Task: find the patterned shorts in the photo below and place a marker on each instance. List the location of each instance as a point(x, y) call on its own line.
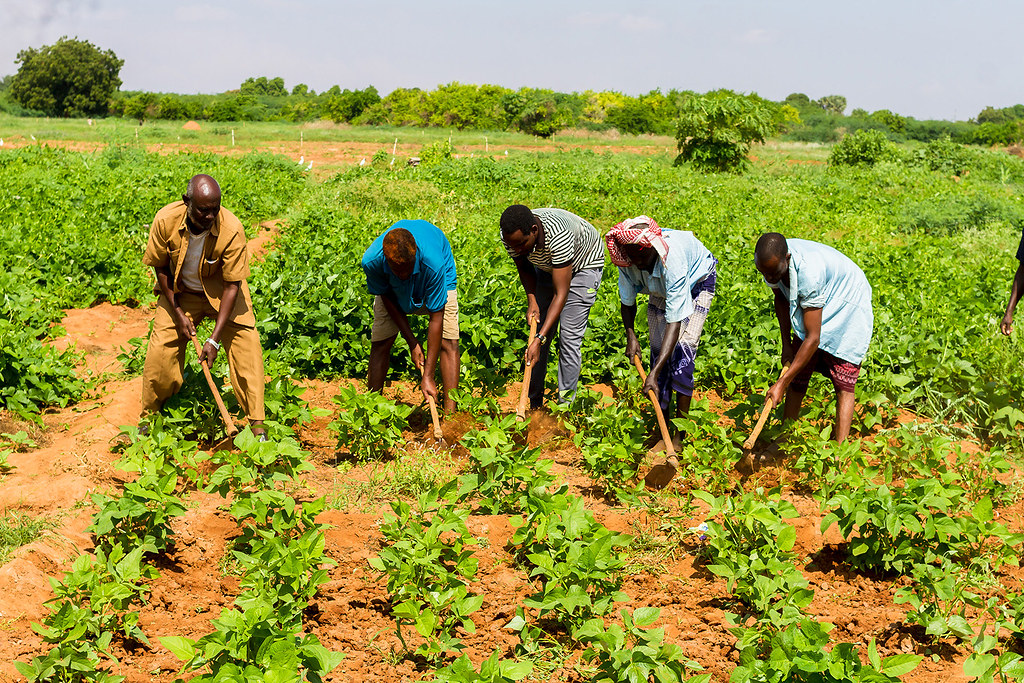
point(843, 373)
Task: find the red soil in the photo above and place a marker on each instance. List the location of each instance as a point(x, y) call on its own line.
point(350, 615)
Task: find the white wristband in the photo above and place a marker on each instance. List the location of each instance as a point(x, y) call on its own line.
point(215, 344)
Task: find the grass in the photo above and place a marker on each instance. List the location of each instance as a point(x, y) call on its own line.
point(249, 133)
point(18, 529)
point(364, 488)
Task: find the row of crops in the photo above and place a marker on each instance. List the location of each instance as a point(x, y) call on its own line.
point(937, 249)
point(910, 505)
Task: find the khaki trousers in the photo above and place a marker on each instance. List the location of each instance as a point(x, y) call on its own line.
point(165, 357)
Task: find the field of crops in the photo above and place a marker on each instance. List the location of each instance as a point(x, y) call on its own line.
point(351, 547)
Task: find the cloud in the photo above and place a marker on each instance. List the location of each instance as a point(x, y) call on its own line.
point(756, 36)
point(632, 23)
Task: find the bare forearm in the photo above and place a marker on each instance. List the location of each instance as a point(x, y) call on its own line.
point(163, 283)
point(1015, 291)
point(782, 313)
point(527, 276)
point(227, 305)
point(434, 333)
point(668, 344)
point(628, 314)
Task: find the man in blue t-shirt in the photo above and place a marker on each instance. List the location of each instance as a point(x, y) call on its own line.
point(410, 270)
point(1016, 288)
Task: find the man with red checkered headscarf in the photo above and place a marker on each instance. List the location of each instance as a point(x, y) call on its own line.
point(678, 273)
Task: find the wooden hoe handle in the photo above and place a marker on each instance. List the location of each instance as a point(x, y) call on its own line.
point(521, 408)
point(768, 405)
point(438, 434)
point(669, 448)
point(229, 425)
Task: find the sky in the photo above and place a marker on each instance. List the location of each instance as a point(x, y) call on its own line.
point(930, 59)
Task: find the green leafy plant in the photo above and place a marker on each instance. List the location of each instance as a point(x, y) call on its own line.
point(368, 425)
point(633, 652)
point(574, 558)
point(492, 670)
point(752, 548)
point(91, 607)
point(503, 474)
point(715, 130)
point(428, 563)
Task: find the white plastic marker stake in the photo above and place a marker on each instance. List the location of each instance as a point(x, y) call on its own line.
point(394, 147)
point(485, 143)
point(232, 137)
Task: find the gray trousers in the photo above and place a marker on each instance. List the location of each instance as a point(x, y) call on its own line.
point(571, 326)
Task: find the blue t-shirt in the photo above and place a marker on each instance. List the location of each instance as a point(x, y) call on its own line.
point(688, 262)
point(1020, 248)
point(824, 278)
point(433, 274)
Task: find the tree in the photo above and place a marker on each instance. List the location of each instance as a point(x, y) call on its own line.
point(833, 104)
point(69, 78)
point(715, 130)
point(535, 111)
point(350, 104)
point(273, 87)
point(893, 122)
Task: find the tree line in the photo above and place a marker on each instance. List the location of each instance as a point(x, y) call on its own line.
point(76, 78)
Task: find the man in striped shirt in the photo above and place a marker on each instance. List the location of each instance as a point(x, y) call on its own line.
point(559, 257)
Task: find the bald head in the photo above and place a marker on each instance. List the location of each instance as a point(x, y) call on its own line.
point(202, 202)
point(202, 185)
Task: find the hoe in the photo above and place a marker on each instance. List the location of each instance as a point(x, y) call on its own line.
point(660, 475)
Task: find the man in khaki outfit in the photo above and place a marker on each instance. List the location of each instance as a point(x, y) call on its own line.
point(198, 250)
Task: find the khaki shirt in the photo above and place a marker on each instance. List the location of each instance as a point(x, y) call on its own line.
point(225, 256)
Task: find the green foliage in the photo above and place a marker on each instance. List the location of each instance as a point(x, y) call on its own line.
point(69, 78)
point(832, 104)
point(368, 425)
point(611, 438)
point(752, 548)
point(428, 564)
point(140, 517)
point(715, 130)
point(574, 557)
point(939, 596)
point(798, 653)
point(503, 475)
point(862, 148)
point(251, 645)
point(899, 527)
point(89, 609)
point(492, 670)
point(255, 465)
point(633, 652)
point(18, 529)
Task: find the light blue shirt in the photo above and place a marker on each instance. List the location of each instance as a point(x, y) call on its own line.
point(824, 278)
point(688, 262)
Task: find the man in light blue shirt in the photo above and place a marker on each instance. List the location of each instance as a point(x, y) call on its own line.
point(679, 274)
point(411, 270)
point(823, 304)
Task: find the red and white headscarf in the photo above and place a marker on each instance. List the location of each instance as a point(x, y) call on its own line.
point(641, 230)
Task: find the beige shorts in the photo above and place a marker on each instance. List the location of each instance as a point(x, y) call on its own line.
point(385, 328)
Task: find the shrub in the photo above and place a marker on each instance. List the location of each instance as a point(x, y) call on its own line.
point(862, 148)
